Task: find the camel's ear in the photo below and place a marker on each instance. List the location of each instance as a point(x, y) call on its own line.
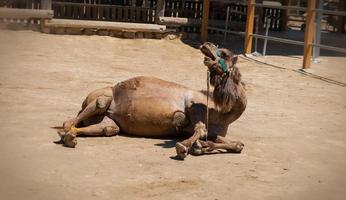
point(234, 60)
point(236, 75)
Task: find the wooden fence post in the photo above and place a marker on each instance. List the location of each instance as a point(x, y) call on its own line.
point(205, 21)
point(46, 4)
point(284, 16)
point(309, 33)
point(160, 10)
point(249, 26)
point(341, 19)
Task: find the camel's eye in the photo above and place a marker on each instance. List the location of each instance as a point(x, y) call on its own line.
point(222, 54)
point(227, 55)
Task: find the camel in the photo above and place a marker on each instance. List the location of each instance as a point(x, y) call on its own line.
point(151, 107)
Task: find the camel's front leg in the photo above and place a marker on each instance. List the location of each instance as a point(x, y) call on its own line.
point(183, 147)
point(229, 145)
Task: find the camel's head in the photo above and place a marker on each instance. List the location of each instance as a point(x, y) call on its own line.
point(218, 61)
point(224, 75)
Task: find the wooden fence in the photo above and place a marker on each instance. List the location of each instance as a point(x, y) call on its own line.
point(120, 11)
point(236, 18)
point(276, 17)
point(21, 4)
point(27, 4)
point(191, 9)
point(144, 11)
point(188, 9)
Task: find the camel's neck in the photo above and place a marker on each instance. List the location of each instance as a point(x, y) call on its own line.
point(229, 93)
point(228, 103)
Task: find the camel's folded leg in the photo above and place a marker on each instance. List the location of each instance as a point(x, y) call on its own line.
point(183, 147)
point(229, 145)
point(96, 107)
point(107, 127)
point(201, 147)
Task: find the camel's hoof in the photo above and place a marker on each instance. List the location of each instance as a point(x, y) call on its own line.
point(196, 149)
point(110, 131)
point(70, 140)
point(239, 146)
point(181, 150)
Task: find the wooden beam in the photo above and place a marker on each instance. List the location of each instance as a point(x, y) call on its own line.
point(178, 21)
point(160, 10)
point(205, 19)
point(249, 26)
point(16, 13)
point(341, 19)
point(47, 5)
point(309, 33)
point(183, 21)
point(104, 25)
point(284, 17)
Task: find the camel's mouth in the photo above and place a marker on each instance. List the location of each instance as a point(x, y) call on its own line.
point(212, 58)
point(209, 50)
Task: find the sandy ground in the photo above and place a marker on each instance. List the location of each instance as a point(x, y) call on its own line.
point(294, 127)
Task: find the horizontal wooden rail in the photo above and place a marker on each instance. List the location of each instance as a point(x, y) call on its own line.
point(178, 21)
point(16, 13)
point(120, 26)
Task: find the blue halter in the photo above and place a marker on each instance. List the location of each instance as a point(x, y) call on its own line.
point(222, 61)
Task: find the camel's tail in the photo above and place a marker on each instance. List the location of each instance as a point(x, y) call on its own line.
point(60, 131)
point(57, 127)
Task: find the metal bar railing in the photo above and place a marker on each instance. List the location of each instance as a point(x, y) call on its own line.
point(268, 20)
point(226, 24)
point(330, 48)
point(295, 42)
point(227, 31)
point(288, 41)
point(331, 12)
point(276, 39)
point(317, 39)
point(326, 12)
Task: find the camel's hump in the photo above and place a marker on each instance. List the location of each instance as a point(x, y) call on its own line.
point(148, 81)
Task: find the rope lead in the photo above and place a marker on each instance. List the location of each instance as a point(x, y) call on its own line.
point(207, 117)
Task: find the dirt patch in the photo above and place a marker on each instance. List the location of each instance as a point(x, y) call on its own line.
point(293, 128)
